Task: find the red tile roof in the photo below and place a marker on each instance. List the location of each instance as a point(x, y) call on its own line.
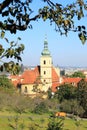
point(71, 80)
point(30, 76)
point(55, 80)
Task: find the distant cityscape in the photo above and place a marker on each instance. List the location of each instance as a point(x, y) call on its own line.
point(63, 69)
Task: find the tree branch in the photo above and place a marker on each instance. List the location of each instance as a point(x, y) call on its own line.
point(35, 17)
point(13, 27)
point(5, 4)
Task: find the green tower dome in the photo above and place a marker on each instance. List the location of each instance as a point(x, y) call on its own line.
point(45, 51)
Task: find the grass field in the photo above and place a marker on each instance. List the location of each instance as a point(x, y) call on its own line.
point(30, 121)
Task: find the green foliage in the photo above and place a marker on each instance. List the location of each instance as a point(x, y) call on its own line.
point(78, 74)
point(15, 124)
point(13, 51)
point(77, 123)
point(18, 16)
point(73, 99)
point(40, 108)
point(5, 83)
point(72, 107)
point(82, 94)
point(55, 124)
point(33, 126)
point(12, 119)
point(65, 92)
point(63, 17)
point(49, 92)
point(36, 124)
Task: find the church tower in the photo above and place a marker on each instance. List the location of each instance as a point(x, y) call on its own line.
point(46, 67)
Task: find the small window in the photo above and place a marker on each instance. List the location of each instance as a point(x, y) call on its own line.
point(44, 72)
point(44, 62)
point(44, 80)
point(25, 90)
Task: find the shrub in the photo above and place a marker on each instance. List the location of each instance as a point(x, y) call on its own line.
point(55, 124)
point(40, 108)
point(72, 107)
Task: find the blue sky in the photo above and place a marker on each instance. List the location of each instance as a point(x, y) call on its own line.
point(65, 51)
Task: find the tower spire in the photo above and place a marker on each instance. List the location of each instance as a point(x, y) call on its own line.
point(45, 50)
point(45, 37)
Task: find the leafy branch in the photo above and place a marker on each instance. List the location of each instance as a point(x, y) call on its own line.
point(13, 51)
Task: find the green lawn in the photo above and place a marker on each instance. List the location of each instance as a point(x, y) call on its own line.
point(10, 120)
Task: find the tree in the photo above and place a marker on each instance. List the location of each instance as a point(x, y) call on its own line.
point(72, 106)
point(40, 108)
point(17, 15)
point(49, 92)
point(5, 83)
point(78, 74)
point(14, 50)
point(65, 92)
point(82, 94)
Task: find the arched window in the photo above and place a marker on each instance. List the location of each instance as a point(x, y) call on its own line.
point(44, 62)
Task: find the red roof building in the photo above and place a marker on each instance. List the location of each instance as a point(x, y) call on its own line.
point(33, 77)
point(70, 80)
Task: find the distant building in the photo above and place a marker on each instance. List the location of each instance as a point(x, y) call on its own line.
point(69, 80)
point(84, 72)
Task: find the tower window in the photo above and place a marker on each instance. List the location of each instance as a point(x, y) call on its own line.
point(44, 62)
point(44, 72)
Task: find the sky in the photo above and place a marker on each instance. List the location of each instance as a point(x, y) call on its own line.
point(65, 51)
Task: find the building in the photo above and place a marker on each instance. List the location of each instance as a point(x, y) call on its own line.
point(41, 78)
point(68, 80)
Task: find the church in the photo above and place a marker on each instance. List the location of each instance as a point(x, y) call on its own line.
point(41, 78)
